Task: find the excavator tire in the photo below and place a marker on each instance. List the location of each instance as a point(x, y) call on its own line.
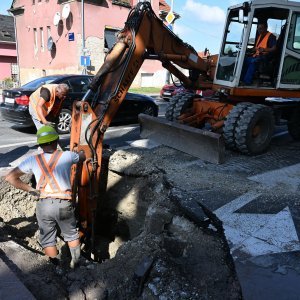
point(254, 129)
point(184, 103)
point(171, 106)
point(294, 125)
point(230, 124)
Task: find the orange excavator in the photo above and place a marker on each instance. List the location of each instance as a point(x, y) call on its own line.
point(242, 117)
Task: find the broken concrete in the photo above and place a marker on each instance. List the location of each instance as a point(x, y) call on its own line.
point(153, 246)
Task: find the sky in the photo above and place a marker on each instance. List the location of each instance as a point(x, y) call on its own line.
point(201, 21)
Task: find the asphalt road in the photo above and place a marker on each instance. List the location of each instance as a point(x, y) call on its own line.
point(15, 142)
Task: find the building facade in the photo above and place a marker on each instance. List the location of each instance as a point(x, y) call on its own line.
point(60, 36)
point(8, 52)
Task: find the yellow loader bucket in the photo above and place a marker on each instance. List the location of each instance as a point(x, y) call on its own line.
point(206, 145)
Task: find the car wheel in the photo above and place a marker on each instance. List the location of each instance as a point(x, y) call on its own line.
point(64, 121)
point(149, 110)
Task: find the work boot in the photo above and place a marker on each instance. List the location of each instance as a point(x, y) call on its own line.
point(75, 254)
point(56, 261)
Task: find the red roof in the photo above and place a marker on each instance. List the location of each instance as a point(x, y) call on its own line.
point(201, 54)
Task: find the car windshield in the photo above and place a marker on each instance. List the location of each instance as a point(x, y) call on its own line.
point(38, 82)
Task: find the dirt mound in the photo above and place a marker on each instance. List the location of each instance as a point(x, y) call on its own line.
point(150, 246)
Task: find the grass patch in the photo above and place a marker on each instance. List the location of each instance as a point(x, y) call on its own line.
point(145, 90)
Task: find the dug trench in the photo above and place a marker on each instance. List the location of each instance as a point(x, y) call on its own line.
point(153, 241)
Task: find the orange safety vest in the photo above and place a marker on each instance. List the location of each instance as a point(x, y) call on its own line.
point(47, 107)
point(48, 178)
point(261, 43)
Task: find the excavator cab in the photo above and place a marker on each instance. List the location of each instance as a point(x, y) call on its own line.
point(279, 70)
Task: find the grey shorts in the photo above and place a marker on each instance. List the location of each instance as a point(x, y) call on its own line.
point(38, 124)
point(52, 212)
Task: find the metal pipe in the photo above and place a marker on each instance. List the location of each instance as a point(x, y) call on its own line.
point(82, 25)
point(82, 34)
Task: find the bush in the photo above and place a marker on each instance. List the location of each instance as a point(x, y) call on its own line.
point(8, 82)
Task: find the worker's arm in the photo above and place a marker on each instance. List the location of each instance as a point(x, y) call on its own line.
point(271, 49)
point(13, 177)
point(267, 50)
point(40, 111)
point(77, 157)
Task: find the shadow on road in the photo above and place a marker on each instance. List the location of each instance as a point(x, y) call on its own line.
point(25, 129)
point(10, 156)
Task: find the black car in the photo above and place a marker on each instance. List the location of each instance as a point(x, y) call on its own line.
point(14, 108)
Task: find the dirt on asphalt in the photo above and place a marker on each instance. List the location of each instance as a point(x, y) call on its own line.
point(153, 241)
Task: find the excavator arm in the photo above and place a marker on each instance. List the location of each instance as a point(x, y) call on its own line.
point(143, 37)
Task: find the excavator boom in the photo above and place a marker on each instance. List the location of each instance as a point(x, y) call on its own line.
point(143, 37)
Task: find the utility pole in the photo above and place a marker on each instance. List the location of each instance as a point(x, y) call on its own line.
point(84, 71)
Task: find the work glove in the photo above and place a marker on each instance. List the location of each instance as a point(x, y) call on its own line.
point(52, 124)
point(35, 193)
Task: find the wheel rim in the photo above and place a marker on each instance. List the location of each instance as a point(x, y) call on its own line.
point(149, 111)
point(64, 124)
point(256, 131)
point(261, 132)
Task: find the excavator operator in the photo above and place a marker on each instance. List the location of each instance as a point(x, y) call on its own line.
point(265, 45)
point(52, 172)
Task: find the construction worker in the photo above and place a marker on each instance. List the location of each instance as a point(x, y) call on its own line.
point(45, 104)
point(52, 172)
point(265, 45)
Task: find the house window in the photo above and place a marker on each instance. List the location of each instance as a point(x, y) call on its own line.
point(42, 39)
point(48, 35)
point(109, 37)
point(35, 40)
point(48, 32)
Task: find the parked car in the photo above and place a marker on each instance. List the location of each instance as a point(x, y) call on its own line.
point(170, 90)
point(14, 107)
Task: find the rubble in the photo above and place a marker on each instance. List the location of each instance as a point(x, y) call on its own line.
point(152, 246)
